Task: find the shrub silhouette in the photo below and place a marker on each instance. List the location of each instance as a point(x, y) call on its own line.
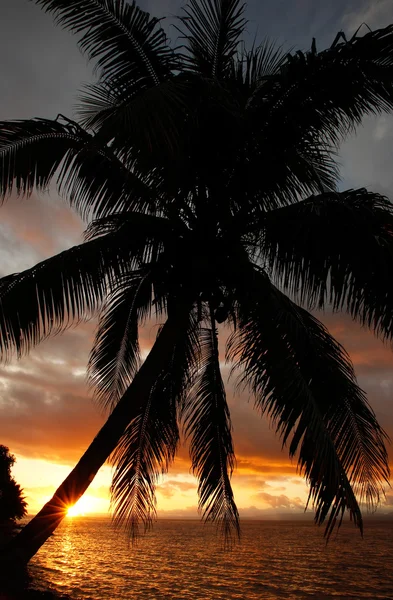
point(12, 502)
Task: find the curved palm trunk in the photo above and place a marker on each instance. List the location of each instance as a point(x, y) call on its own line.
point(24, 546)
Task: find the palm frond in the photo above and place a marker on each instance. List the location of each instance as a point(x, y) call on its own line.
point(304, 380)
point(153, 243)
point(126, 43)
point(266, 60)
point(136, 225)
point(252, 68)
point(302, 113)
point(73, 284)
point(96, 183)
point(327, 94)
point(91, 176)
point(32, 150)
point(289, 174)
point(208, 426)
point(135, 504)
point(336, 249)
point(115, 357)
point(212, 29)
point(144, 453)
point(150, 241)
point(150, 441)
point(182, 369)
point(58, 291)
point(149, 122)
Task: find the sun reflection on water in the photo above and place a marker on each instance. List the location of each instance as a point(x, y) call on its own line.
point(87, 559)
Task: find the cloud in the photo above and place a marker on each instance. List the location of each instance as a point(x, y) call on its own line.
point(258, 466)
point(389, 499)
point(246, 512)
point(280, 502)
point(45, 490)
point(189, 512)
point(45, 410)
point(298, 481)
point(174, 487)
point(32, 229)
point(374, 14)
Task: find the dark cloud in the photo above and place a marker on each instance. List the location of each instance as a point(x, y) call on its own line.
point(45, 410)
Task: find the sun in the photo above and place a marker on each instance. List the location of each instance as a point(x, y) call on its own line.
point(84, 506)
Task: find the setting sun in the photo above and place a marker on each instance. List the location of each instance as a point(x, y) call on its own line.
point(85, 505)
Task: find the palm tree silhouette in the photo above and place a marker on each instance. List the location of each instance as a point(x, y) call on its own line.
point(209, 178)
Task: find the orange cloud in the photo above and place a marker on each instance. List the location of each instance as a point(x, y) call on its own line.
point(280, 502)
point(41, 225)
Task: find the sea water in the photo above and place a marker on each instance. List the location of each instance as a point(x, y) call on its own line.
point(182, 560)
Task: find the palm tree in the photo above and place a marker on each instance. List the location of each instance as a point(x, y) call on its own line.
point(208, 174)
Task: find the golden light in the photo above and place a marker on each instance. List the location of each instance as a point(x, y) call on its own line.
point(84, 506)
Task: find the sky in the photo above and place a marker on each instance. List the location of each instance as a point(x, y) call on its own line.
point(47, 416)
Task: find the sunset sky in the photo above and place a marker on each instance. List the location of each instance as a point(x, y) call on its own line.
point(47, 417)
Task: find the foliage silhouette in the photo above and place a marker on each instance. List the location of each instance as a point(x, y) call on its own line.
point(12, 502)
point(208, 175)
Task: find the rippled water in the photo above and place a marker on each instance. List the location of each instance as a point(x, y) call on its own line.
point(184, 560)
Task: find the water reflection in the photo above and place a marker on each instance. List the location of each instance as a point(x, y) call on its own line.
point(184, 560)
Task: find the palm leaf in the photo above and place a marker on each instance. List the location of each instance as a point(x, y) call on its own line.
point(327, 94)
point(251, 68)
point(302, 113)
point(179, 376)
point(147, 122)
point(208, 426)
point(115, 358)
point(73, 284)
point(58, 291)
point(303, 379)
point(150, 441)
point(143, 454)
point(33, 152)
point(125, 41)
point(149, 228)
point(290, 173)
point(212, 29)
point(336, 249)
point(97, 183)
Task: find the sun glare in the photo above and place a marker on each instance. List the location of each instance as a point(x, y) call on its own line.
point(84, 506)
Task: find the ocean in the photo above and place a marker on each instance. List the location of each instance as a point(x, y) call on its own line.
point(182, 560)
